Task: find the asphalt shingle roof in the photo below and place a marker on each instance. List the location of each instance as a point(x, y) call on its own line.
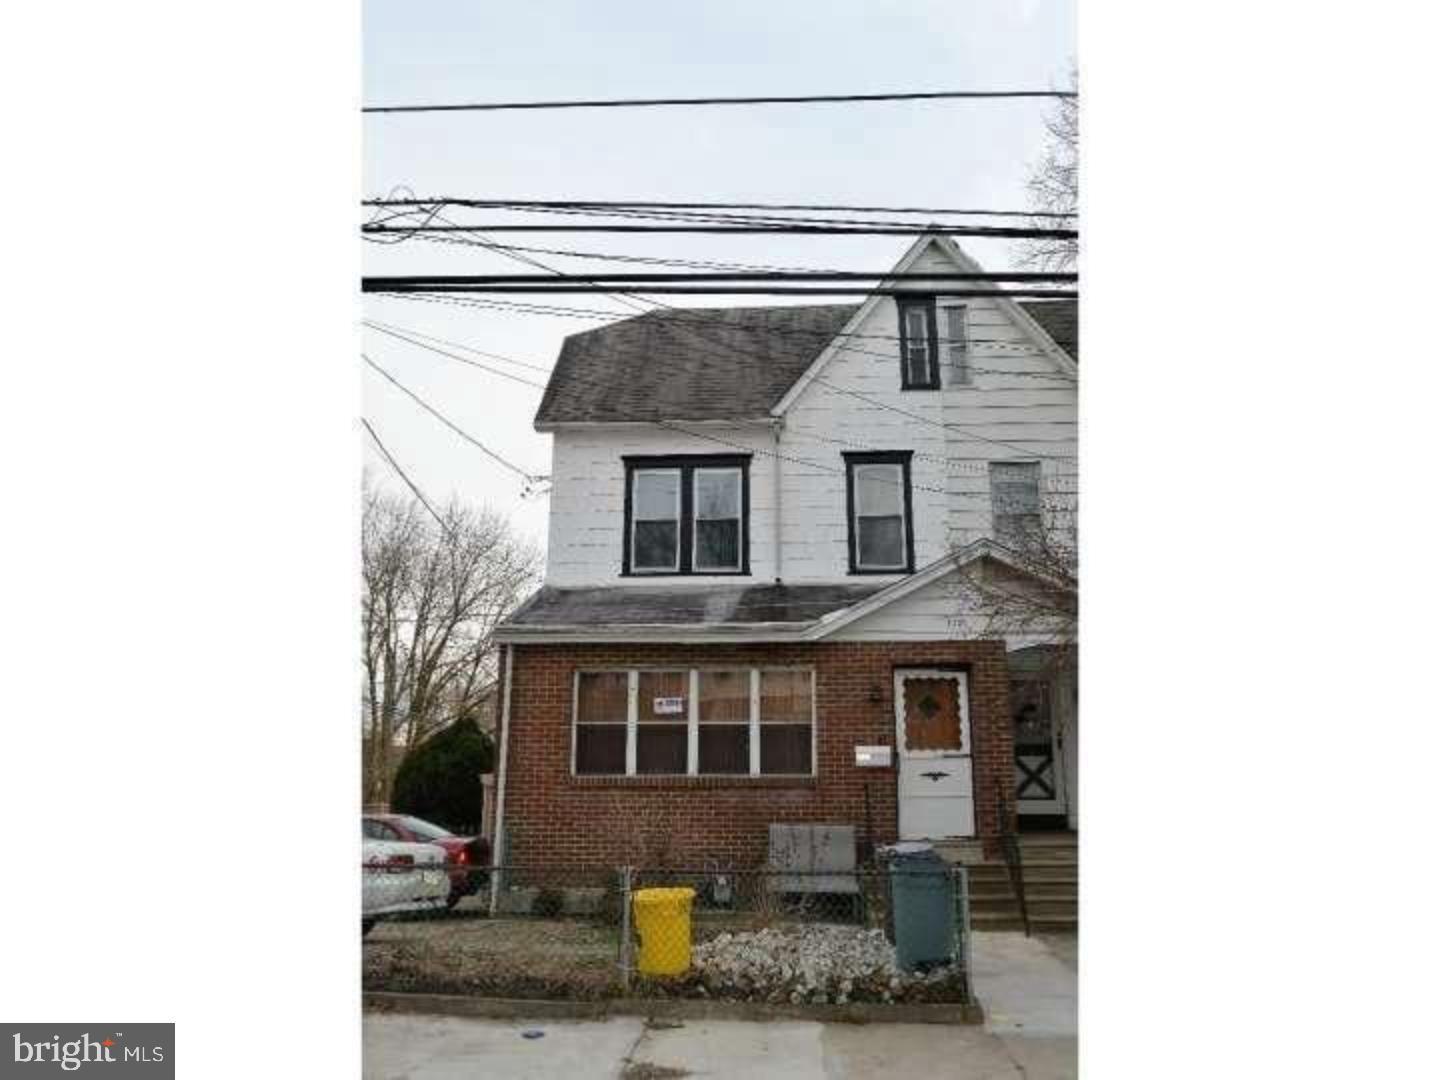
point(699, 605)
point(712, 363)
point(696, 364)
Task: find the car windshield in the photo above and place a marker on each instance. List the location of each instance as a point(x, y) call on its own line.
point(424, 829)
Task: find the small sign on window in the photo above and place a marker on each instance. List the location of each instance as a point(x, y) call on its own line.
point(669, 706)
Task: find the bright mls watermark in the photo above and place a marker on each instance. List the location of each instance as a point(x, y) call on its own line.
point(118, 1050)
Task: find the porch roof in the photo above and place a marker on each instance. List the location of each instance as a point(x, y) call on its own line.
point(710, 608)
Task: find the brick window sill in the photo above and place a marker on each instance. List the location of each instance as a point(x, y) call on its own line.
point(692, 782)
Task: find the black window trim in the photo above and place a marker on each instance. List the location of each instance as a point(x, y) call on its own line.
point(686, 464)
point(878, 457)
point(902, 304)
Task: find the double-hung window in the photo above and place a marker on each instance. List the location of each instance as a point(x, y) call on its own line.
point(956, 344)
point(662, 722)
point(687, 514)
point(695, 722)
point(655, 520)
point(724, 723)
point(878, 499)
point(919, 361)
point(1015, 501)
point(602, 720)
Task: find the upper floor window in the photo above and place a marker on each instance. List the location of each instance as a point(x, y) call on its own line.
point(687, 514)
point(957, 344)
point(877, 487)
point(1015, 501)
point(919, 361)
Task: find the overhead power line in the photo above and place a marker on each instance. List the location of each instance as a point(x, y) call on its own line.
point(529, 477)
point(462, 359)
point(709, 217)
point(408, 482)
point(699, 317)
point(742, 276)
point(376, 324)
point(655, 205)
point(965, 430)
point(567, 287)
point(1001, 232)
point(798, 99)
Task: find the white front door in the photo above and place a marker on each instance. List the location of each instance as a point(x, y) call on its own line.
point(1039, 766)
point(932, 746)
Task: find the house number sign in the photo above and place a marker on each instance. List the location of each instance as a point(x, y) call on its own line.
point(669, 706)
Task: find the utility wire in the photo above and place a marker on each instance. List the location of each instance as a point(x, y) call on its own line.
point(1028, 452)
point(1038, 276)
point(1000, 232)
point(575, 286)
point(453, 356)
point(692, 316)
point(375, 324)
point(516, 469)
point(408, 482)
point(649, 205)
point(706, 217)
point(808, 99)
point(689, 314)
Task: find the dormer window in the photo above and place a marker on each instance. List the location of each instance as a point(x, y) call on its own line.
point(687, 514)
point(919, 358)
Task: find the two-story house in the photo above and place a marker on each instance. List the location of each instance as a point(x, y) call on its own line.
point(750, 613)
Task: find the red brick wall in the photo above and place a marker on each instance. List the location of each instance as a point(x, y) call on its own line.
point(554, 818)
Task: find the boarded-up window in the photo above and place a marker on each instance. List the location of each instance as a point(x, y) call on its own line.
point(786, 718)
point(724, 722)
point(662, 722)
point(932, 714)
point(601, 706)
point(1015, 501)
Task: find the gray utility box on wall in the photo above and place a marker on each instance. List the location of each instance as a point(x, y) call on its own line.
point(818, 858)
point(922, 907)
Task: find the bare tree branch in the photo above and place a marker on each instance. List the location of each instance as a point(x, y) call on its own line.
point(1054, 184)
point(432, 597)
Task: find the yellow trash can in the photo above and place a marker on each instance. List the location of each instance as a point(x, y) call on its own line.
point(662, 917)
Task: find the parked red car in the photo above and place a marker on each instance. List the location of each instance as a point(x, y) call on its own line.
point(466, 857)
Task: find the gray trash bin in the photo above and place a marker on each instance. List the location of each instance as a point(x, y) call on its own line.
point(922, 907)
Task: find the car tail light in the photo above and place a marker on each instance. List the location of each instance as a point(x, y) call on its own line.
point(462, 856)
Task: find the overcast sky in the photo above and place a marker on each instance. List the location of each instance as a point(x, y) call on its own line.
point(961, 154)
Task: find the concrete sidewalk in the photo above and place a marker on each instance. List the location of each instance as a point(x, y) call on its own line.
point(1028, 991)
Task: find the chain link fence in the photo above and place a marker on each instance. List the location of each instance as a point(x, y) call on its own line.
point(872, 934)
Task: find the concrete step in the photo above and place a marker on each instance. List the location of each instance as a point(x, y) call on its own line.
point(1053, 923)
point(1046, 873)
point(1049, 855)
point(996, 922)
point(1051, 908)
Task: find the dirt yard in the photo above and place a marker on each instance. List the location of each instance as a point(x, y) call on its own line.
point(520, 957)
